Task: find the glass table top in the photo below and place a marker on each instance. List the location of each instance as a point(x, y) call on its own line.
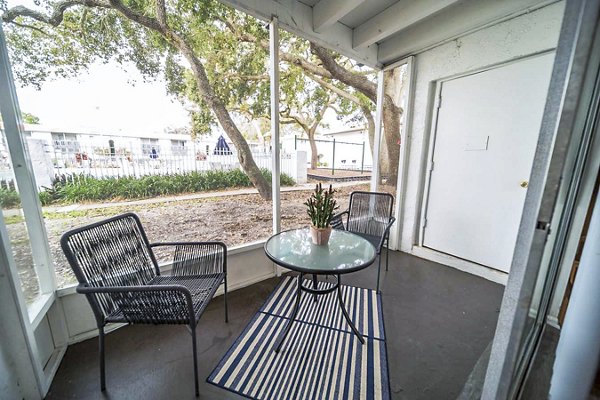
point(345, 252)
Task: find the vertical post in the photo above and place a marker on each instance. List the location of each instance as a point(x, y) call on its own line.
point(275, 151)
point(378, 129)
point(362, 160)
point(23, 172)
point(295, 142)
point(333, 159)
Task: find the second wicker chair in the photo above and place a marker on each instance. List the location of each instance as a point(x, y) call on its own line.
point(370, 216)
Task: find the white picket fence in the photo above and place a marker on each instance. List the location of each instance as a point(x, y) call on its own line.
point(89, 163)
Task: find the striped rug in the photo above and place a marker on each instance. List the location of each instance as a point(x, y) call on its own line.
point(320, 358)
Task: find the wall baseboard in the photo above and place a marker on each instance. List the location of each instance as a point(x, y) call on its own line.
point(463, 265)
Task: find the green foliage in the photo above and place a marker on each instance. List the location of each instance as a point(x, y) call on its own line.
point(68, 190)
point(30, 118)
point(320, 206)
point(9, 198)
point(46, 197)
point(13, 219)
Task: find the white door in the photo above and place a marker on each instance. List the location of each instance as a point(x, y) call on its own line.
point(485, 138)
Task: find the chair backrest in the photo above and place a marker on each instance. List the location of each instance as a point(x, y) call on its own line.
point(112, 252)
point(369, 212)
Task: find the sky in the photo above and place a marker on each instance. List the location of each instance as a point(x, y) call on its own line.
point(104, 99)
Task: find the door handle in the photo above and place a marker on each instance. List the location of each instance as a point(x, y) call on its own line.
point(524, 184)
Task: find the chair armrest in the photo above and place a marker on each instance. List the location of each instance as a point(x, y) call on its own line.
point(386, 232)
point(197, 258)
point(337, 222)
point(146, 303)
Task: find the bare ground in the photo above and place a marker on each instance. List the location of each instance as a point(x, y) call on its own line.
point(233, 219)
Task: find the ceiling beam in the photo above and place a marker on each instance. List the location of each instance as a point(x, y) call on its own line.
point(396, 18)
point(467, 16)
point(296, 17)
point(327, 12)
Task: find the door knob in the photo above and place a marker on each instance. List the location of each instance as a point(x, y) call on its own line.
point(524, 184)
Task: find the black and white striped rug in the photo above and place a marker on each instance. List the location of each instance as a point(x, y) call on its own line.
point(320, 358)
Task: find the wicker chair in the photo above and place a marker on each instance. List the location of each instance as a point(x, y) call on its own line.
point(118, 273)
point(370, 216)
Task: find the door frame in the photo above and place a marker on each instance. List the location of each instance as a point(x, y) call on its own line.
point(461, 263)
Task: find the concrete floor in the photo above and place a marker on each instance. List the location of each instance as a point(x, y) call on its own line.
point(438, 321)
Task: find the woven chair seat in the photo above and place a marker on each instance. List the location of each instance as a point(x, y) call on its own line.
point(202, 288)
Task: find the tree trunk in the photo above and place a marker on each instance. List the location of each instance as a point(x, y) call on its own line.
point(314, 154)
point(391, 134)
point(370, 126)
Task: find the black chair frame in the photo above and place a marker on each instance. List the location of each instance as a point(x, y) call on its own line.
point(120, 277)
point(378, 233)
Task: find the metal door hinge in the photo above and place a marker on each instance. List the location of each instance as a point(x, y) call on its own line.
point(543, 226)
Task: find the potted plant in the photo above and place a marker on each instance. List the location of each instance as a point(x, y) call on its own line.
point(320, 207)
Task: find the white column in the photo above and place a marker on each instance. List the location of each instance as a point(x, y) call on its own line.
point(378, 130)
point(23, 171)
point(275, 153)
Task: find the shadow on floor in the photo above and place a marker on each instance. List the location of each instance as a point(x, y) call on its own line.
point(438, 321)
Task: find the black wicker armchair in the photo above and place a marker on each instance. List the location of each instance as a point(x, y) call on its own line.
point(118, 273)
point(370, 216)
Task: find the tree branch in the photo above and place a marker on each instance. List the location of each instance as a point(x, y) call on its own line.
point(161, 13)
point(361, 83)
point(289, 58)
point(335, 89)
point(135, 16)
point(32, 27)
point(57, 15)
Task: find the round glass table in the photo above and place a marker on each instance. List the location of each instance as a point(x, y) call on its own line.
point(346, 252)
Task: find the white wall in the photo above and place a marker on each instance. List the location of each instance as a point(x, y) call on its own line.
point(523, 36)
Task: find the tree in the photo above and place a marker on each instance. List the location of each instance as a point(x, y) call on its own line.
point(147, 33)
point(209, 54)
point(244, 80)
point(357, 86)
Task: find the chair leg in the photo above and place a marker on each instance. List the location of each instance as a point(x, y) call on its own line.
point(387, 257)
point(193, 329)
point(378, 272)
point(101, 350)
point(225, 298)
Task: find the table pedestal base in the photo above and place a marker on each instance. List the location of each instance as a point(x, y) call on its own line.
point(315, 292)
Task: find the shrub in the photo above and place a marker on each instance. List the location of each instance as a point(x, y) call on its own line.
point(73, 189)
point(9, 198)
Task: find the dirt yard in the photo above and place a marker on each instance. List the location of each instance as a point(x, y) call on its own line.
point(234, 220)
